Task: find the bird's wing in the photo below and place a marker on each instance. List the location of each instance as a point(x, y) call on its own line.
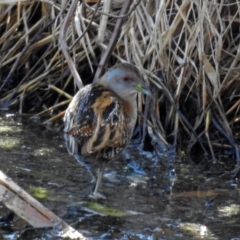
point(101, 121)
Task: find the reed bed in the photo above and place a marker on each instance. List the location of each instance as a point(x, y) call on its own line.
point(188, 51)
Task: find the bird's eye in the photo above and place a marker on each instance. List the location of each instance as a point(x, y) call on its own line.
point(127, 79)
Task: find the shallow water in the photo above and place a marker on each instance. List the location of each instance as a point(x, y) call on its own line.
point(197, 204)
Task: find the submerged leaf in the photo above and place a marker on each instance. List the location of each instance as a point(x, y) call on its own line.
point(39, 192)
point(109, 211)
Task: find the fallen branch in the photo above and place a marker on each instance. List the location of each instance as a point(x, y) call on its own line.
point(32, 211)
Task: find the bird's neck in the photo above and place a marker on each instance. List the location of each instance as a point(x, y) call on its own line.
point(131, 109)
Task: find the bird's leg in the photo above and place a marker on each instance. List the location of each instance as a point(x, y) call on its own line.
point(87, 165)
point(99, 178)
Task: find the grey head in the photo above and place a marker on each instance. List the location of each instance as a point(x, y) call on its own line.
point(125, 80)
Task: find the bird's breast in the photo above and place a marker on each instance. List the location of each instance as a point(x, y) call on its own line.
point(100, 122)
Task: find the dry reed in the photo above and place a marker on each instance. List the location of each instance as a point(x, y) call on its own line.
point(189, 52)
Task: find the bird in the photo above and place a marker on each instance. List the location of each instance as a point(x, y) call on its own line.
point(100, 119)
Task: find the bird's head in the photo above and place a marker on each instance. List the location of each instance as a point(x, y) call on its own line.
point(125, 80)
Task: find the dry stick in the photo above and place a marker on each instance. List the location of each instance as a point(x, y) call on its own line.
point(61, 92)
point(53, 107)
point(23, 209)
point(110, 15)
point(32, 211)
point(156, 135)
point(55, 117)
point(64, 46)
point(207, 124)
point(88, 26)
point(113, 41)
point(147, 110)
point(230, 140)
point(103, 21)
point(221, 145)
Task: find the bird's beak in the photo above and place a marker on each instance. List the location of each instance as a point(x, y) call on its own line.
point(142, 88)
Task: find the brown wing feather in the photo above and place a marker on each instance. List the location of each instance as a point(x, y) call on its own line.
point(102, 126)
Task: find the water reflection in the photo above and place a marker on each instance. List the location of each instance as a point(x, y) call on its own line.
point(195, 205)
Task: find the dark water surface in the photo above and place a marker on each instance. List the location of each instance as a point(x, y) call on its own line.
point(196, 205)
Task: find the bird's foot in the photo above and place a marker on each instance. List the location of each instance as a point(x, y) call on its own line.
point(97, 195)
